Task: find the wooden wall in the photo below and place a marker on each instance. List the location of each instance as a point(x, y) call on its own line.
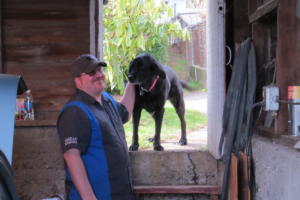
point(288, 55)
point(275, 31)
point(40, 39)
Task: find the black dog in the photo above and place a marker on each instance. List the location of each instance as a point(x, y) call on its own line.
point(155, 84)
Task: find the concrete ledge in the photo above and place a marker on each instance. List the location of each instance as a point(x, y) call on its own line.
point(174, 168)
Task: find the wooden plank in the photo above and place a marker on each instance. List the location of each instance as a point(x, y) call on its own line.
point(263, 10)
point(48, 67)
point(41, 42)
point(100, 31)
point(75, 6)
point(41, 74)
point(176, 189)
point(288, 48)
point(44, 53)
point(233, 179)
point(92, 27)
point(244, 176)
point(53, 103)
point(58, 34)
point(22, 123)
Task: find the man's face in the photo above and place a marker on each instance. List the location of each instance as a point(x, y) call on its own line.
point(92, 83)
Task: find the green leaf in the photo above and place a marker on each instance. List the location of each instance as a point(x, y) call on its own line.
point(132, 27)
point(141, 42)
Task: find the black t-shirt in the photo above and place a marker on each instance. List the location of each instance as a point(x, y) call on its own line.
point(74, 126)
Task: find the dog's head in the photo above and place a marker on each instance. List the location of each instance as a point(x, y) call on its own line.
point(143, 69)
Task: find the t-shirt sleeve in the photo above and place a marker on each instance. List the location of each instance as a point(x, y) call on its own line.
point(123, 113)
point(73, 129)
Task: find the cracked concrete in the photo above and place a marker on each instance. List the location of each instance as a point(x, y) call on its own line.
point(195, 177)
point(188, 167)
point(174, 168)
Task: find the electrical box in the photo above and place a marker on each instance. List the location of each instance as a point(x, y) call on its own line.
point(271, 96)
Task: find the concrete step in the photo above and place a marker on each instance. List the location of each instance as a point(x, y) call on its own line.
point(174, 168)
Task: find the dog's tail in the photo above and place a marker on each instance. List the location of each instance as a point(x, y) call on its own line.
point(186, 86)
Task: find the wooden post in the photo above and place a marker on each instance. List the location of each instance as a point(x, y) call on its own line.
point(100, 29)
point(233, 179)
point(244, 176)
point(96, 28)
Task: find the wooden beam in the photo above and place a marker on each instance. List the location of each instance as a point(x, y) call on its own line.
point(244, 166)
point(96, 28)
point(1, 58)
point(177, 189)
point(233, 179)
point(263, 10)
point(92, 27)
point(100, 29)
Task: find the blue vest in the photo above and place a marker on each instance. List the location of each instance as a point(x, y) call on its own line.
point(94, 159)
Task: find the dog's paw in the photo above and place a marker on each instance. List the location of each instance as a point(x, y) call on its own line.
point(158, 148)
point(182, 142)
point(134, 147)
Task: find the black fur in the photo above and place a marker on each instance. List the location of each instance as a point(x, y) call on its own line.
point(143, 71)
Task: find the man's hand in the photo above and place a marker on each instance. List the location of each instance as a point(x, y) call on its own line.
point(128, 98)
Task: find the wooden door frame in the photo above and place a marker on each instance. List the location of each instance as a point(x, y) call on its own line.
point(96, 28)
point(215, 73)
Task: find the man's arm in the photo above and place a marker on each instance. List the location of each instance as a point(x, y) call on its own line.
point(129, 97)
point(78, 174)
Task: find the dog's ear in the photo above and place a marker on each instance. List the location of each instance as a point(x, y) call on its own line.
point(156, 66)
point(162, 73)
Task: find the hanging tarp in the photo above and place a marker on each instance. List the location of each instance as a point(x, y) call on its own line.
point(10, 85)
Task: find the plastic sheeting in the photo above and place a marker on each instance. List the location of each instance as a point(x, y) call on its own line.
point(8, 92)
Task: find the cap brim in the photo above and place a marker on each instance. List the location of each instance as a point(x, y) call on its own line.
point(94, 66)
point(102, 64)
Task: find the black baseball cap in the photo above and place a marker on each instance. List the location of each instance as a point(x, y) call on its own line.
point(84, 64)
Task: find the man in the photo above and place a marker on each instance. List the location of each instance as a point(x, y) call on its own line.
point(91, 131)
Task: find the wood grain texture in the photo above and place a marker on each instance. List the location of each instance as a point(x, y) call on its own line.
point(287, 57)
point(244, 176)
point(176, 189)
point(233, 179)
point(41, 40)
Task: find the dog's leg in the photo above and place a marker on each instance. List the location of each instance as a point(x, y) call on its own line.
point(136, 115)
point(180, 110)
point(158, 117)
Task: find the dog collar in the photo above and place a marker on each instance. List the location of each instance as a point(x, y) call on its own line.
point(153, 84)
point(143, 90)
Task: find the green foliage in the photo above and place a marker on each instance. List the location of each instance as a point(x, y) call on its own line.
point(170, 127)
point(196, 85)
point(132, 27)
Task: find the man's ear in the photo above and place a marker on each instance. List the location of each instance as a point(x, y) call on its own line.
point(77, 82)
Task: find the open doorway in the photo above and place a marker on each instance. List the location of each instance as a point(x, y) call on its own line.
point(188, 59)
point(192, 61)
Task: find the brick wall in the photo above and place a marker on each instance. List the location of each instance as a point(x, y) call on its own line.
point(185, 54)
